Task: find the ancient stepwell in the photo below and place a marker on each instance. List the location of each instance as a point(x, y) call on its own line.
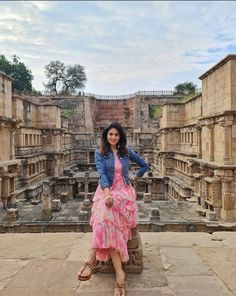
point(47, 144)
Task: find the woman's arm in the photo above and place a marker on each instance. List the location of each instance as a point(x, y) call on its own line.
point(100, 165)
point(143, 166)
point(103, 180)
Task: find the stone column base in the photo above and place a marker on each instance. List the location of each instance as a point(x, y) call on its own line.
point(84, 216)
point(11, 216)
point(227, 216)
point(46, 215)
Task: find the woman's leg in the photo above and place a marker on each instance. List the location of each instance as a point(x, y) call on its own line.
point(120, 275)
point(86, 271)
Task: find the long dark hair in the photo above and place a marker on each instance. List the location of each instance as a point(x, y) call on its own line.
point(105, 147)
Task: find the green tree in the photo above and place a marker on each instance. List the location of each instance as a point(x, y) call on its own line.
point(75, 78)
point(64, 79)
point(22, 76)
point(185, 88)
point(55, 72)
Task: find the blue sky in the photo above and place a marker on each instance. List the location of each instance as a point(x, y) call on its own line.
point(124, 46)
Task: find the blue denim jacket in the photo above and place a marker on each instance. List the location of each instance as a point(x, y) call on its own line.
point(106, 166)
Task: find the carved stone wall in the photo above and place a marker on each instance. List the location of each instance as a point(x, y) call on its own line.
point(202, 168)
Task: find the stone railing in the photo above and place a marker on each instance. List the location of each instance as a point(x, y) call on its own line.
point(23, 151)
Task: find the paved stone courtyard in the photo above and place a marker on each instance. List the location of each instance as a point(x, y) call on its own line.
point(175, 264)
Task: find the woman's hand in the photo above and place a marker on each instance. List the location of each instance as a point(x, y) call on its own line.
point(109, 201)
point(108, 197)
point(133, 179)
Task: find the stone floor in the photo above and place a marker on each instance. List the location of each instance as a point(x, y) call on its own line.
point(175, 264)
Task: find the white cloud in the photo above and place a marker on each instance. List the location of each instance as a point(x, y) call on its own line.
point(121, 44)
point(41, 5)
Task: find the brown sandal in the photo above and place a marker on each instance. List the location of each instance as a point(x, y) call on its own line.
point(87, 277)
point(120, 286)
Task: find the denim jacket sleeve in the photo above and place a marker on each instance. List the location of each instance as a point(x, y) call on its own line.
point(139, 161)
point(100, 165)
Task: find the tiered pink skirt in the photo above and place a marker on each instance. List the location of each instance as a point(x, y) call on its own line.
point(112, 226)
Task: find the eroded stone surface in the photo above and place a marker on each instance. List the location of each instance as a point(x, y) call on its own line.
point(187, 269)
point(46, 274)
point(37, 292)
point(179, 263)
point(198, 286)
point(36, 245)
point(223, 262)
point(8, 269)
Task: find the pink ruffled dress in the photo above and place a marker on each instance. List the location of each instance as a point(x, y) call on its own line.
point(112, 226)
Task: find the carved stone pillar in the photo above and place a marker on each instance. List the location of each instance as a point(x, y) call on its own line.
point(86, 184)
point(56, 166)
point(46, 211)
point(0, 190)
point(12, 143)
point(211, 131)
point(5, 191)
point(227, 141)
point(199, 141)
point(87, 157)
point(137, 139)
point(227, 205)
point(162, 165)
point(149, 186)
point(203, 193)
point(164, 140)
point(165, 188)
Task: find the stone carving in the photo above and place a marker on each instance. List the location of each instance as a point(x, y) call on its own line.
point(64, 197)
point(154, 214)
point(56, 205)
point(147, 198)
point(135, 250)
point(11, 216)
point(85, 212)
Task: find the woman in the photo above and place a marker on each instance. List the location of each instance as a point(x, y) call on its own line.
point(114, 210)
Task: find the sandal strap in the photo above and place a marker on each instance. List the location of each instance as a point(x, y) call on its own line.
point(121, 285)
point(89, 264)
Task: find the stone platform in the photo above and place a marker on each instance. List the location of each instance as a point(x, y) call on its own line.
point(174, 216)
point(175, 264)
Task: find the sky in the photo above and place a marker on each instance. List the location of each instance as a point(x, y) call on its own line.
point(124, 46)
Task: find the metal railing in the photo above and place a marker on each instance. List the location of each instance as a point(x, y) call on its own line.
point(151, 93)
point(139, 93)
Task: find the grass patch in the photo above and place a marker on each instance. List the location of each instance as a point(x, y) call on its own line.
point(155, 111)
point(68, 113)
point(185, 98)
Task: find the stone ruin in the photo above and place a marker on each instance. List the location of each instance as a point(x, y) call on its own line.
point(47, 157)
point(189, 161)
